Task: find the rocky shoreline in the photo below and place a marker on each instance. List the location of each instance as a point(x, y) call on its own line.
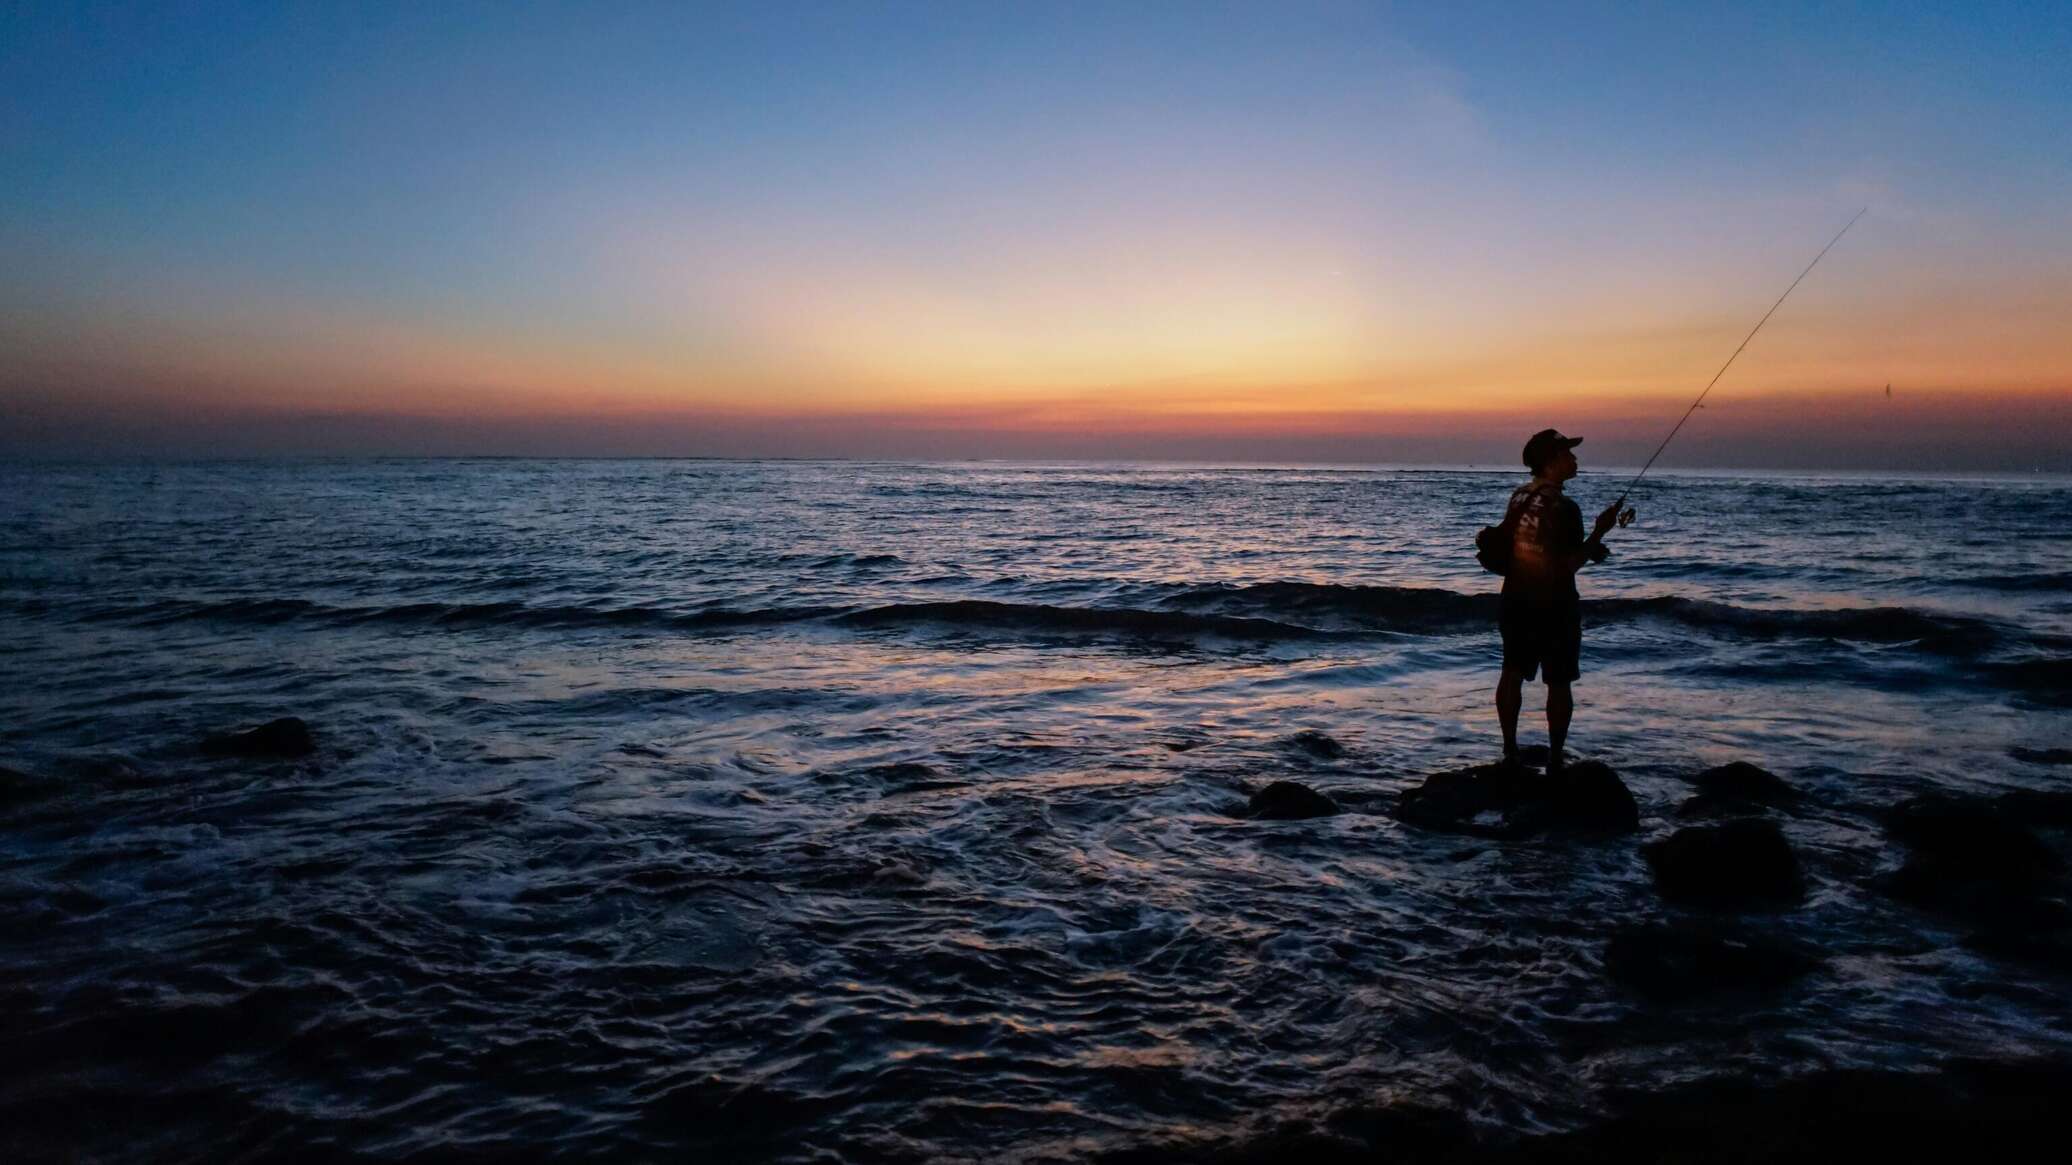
point(1961, 1110)
point(1993, 868)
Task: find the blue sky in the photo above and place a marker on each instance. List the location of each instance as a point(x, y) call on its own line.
point(1020, 222)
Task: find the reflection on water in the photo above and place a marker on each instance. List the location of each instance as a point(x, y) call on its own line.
point(786, 810)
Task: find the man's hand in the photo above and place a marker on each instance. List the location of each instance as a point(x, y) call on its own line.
point(1605, 521)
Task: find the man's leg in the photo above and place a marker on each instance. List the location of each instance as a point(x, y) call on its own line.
point(1508, 698)
point(1561, 704)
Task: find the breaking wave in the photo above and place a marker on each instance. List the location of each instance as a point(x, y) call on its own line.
point(1261, 611)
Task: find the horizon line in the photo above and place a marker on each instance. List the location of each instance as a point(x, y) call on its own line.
point(15, 458)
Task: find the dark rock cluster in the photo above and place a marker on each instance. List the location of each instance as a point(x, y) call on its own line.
point(1317, 744)
point(1737, 788)
point(287, 737)
point(1289, 801)
point(1981, 862)
point(1739, 865)
point(1509, 801)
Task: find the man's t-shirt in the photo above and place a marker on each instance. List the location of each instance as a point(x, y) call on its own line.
point(1545, 540)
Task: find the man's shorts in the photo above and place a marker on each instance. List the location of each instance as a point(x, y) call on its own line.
point(1542, 638)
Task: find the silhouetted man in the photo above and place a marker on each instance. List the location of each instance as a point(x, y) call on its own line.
point(1541, 618)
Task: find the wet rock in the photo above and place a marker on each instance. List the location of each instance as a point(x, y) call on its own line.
point(1474, 800)
point(1700, 807)
point(1288, 801)
point(1588, 797)
point(1954, 1110)
point(1734, 866)
point(288, 736)
point(1535, 755)
point(2037, 809)
point(1317, 744)
point(1951, 839)
point(1511, 801)
point(1671, 963)
point(1737, 787)
point(1958, 1110)
point(1978, 862)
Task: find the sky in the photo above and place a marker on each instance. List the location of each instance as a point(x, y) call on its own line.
point(1271, 232)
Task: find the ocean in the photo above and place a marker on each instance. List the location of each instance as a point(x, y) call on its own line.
point(859, 811)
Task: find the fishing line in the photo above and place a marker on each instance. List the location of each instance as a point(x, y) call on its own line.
point(1625, 517)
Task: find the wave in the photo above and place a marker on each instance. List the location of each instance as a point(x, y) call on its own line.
point(1261, 611)
point(1954, 635)
point(504, 614)
point(1411, 610)
point(1119, 620)
point(2044, 580)
point(834, 561)
point(1435, 611)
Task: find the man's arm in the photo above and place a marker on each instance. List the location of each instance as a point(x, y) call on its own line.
point(1584, 551)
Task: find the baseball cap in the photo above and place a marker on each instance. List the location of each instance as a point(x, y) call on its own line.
point(1545, 444)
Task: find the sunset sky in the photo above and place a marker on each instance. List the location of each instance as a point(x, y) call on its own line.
point(1394, 233)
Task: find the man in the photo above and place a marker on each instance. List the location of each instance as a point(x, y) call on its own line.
point(1541, 615)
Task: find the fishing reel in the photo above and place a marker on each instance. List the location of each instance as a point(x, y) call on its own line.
point(1627, 517)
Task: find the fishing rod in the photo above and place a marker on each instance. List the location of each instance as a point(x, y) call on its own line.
point(1626, 516)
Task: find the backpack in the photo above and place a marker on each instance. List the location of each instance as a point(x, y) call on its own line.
point(1493, 543)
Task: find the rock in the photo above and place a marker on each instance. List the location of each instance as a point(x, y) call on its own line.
point(1535, 755)
point(1288, 801)
point(1953, 839)
point(1703, 806)
point(1977, 862)
point(2037, 809)
point(1317, 744)
point(1589, 797)
point(1938, 1109)
point(1512, 801)
point(1747, 782)
point(1737, 788)
point(1458, 801)
point(1737, 865)
point(285, 737)
point(1686, 962)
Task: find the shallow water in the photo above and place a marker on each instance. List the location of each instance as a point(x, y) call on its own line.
point(859, 811)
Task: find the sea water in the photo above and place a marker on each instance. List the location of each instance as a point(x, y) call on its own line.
point(858, 810)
